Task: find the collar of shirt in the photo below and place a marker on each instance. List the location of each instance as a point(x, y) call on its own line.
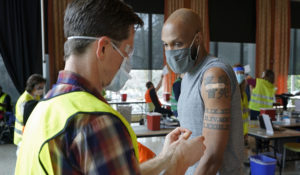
point(72, 82)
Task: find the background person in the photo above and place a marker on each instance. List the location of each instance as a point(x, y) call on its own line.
point(240, 75)
point(262, 94)
point(5, 102)
point(175, 95)
point(209, 102)
point(152, 100)
point(34, 90)
point(75, 131)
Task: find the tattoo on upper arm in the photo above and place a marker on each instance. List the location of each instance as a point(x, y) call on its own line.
point(212, 91)
point(223, 91)
point(220, 87)
point(213, 121)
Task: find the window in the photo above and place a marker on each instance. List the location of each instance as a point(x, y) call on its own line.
point(146, 65)
point(7, 84)
point(233, 53)
point(294, 66)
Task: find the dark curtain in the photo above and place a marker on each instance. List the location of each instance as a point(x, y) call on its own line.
point(20, 39)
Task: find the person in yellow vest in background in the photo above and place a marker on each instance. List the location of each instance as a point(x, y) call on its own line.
point(34, 89)
point(73, 130)
point(5, 102)
point(263, 93)
point(240, 75)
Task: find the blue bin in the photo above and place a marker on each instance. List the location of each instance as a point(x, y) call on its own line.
point(262, 165)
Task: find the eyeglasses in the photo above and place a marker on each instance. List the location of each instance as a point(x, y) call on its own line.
point(128, 49)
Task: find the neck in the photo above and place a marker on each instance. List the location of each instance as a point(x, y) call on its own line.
point(85, 66)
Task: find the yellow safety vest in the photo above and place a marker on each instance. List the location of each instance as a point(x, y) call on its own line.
point(2, 98)
point(245, 113)
point(50, 119)
point(262, 95)
point(19, 125)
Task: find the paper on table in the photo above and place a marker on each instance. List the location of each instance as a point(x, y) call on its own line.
point(247, 68)
point(268, 124)
point(165, 70)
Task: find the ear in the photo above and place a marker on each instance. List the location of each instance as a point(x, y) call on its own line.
point(102, 46)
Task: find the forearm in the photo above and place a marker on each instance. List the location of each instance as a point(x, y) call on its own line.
point(208, 167)
point(159, 84)
point(175, 168)
point(154, 166)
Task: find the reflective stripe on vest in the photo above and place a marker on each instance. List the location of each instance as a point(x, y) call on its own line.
point(262, 95)
point(264, 103)
point(2, 98)
point(50, 119)
point(25, 97)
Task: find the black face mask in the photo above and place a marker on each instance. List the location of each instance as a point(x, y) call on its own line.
point(194, 52)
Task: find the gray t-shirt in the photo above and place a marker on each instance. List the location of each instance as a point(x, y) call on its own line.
point(191, 111)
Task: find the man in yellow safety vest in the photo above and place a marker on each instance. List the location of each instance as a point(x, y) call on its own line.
point(73, 130)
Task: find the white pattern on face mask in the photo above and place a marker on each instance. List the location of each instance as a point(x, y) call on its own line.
point(180, 60)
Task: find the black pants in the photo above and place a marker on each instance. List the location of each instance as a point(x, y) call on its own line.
point(254, 114)
point(163, 111)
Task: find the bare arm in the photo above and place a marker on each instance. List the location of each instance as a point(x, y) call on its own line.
point(216, 93)
point(159, 83)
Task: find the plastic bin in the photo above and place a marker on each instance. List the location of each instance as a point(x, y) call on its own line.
point(153, 121)
point(262, 165)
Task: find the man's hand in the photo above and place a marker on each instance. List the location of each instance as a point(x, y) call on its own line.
point(188, 152)
point(183, 152)
point(172, 140)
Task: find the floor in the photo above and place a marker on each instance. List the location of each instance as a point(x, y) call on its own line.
point(8, 157)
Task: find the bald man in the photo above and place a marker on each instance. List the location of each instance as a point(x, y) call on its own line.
point(210, 102)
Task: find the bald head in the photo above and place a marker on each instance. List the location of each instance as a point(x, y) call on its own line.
point(181, 28)
point(186, 18)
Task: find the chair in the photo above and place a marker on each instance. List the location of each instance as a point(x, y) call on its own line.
point(292, 146)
